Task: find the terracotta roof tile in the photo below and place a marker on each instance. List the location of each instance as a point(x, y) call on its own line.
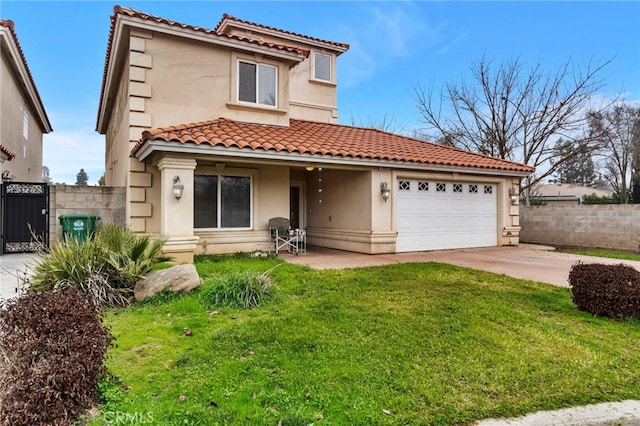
point(7, 152)
point(226, 16)
point(334, 140)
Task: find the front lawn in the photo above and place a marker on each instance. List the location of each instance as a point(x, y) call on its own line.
point(402, 344)
point(603, 252)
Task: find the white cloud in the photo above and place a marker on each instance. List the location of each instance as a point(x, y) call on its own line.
point(392, 31)
point(381, 34)
point(67, 151)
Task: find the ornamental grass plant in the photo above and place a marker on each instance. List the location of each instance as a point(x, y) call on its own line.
point(106, 267)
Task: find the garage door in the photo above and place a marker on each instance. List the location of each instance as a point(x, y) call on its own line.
point(436, 215)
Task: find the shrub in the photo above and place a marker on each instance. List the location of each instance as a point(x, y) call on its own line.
point(52, 347)
point(607, 290)
point(106, 267)
point(242, 289)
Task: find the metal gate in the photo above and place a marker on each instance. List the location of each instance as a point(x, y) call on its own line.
point(24, 214)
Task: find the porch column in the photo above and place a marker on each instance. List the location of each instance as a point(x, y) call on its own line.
point(176, 216)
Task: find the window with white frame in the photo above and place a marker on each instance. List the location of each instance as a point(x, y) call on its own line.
point(322, 67)
point(257, 83)
point(222, 201)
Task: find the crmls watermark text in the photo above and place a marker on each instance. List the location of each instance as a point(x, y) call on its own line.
point(122, 418)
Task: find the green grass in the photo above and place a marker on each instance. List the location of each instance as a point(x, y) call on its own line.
point(411, 344)
point(603, 252)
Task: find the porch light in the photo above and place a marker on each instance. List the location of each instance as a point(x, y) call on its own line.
point(385, 191)
point(178, 187)
point(309, 168)
point(514, 197)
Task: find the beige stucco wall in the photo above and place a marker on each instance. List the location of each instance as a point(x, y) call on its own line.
point(26, 166)
point(609, 226)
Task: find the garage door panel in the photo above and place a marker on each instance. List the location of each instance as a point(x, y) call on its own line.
point(443, 219)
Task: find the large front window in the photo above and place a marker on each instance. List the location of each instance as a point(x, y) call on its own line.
point(257, 83)
point(222, 201)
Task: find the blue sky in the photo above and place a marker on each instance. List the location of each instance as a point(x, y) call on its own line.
point(395, 45)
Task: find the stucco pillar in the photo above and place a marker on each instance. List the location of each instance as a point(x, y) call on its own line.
point(176, 216)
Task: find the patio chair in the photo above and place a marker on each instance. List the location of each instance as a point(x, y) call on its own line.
point(285, 238)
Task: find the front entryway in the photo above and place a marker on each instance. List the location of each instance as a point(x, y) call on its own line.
point(436, 215)
point(296, 205)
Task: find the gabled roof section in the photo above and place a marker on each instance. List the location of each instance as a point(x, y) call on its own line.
point(318, 142)
point(228, 23)
point(7, 152)
point(11, 45)
point(125, 16)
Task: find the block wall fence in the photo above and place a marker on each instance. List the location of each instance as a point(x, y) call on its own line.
point(104, 201)
point(614, 226)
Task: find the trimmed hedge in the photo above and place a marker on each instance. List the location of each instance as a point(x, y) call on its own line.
point(53, 347)
point(606, 290)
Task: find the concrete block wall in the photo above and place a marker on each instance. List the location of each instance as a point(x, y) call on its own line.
point(104, 201)
point(613, 226)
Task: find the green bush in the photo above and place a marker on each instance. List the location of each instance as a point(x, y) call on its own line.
point(105, 267)
point(606, 290)
point(242, 289)
point(53, 347)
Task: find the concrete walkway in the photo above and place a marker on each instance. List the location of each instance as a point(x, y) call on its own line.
point(530, 262)
point(14, 268)
point(526, 261)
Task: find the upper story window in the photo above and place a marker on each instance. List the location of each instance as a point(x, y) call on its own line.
point(257, 83)
point(322, 67)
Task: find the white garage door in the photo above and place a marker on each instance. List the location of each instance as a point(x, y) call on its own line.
point(436, 215)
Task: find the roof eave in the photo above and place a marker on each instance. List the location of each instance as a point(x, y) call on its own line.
point(148, 147)
point(339, 49)
point(24, 75)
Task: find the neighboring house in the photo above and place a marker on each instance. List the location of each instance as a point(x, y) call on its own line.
point(245, 117)
point(566, 193)
point(23, 119)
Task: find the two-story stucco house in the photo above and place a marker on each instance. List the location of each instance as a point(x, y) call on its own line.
point(245, 117)
point(23, 119)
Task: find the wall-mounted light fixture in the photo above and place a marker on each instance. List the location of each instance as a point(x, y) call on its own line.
point(385, 191)
point(515, 197)
point(309, 168)
point(178, 187)
point(7, 176)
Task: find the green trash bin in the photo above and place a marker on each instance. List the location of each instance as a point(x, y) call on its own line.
point(78, 226)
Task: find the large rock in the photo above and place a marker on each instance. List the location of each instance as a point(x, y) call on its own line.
point(179, 278)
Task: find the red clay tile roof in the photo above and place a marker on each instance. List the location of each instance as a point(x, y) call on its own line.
point(342, 46)
point(120, 10)
point(7, 152)
point(334, 140)
point(11, 27)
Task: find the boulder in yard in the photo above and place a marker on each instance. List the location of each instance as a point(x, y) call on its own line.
point(179, 278)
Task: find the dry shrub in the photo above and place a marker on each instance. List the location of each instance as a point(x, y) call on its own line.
point(606, 290)
point(52, 349)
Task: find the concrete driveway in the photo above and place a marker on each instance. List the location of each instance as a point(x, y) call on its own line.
point(526, 261)
point(14, 268)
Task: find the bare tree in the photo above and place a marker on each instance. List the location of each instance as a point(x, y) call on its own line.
point(515, 113)
point(619, 131)
point(385, 123)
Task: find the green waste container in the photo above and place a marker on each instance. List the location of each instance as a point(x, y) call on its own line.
point(78, 226)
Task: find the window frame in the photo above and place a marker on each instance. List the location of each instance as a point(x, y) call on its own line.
point(219, 206)
point(258, 65)
point(314, 74)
